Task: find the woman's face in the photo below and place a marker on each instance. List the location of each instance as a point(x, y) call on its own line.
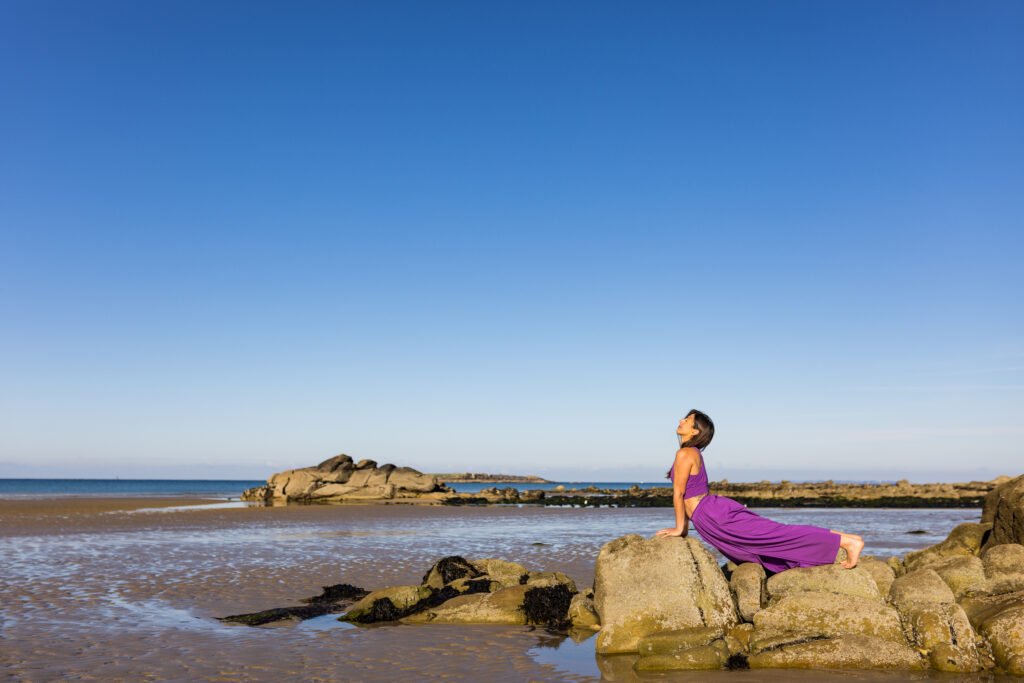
point(686, 428)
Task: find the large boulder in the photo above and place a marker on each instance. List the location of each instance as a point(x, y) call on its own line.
point(1004, 508)
point(819, 614)
point(828, 578)
point(1004, 568)
point(1005, 632)
point(840, 652)
point(644, 586)
point(964, 539)
point(961, 574)
point(747, 584)
point(933, 622)
point(945, 633)
point(921, 586)
point(881, 571)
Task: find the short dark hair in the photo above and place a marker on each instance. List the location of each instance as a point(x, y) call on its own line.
point(706, 430)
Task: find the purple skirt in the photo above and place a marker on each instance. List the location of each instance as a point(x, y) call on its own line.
point(743, 536)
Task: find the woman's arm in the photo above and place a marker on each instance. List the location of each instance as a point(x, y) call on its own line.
point(684, 461)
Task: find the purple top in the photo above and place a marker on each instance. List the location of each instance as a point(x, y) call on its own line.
point(696, 484)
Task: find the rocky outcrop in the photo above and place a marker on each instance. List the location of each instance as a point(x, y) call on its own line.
point(488, 591)
point(957, 606)
point(455, 477)
point(755, 494)
point(339, 479)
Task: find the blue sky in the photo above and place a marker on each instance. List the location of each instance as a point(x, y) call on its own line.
point(524, 237)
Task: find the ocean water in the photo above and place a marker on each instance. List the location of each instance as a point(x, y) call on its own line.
point(215, 488)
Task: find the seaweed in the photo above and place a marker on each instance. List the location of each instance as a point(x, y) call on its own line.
point(548, 606)
point(451, 568)
point(737, 662)
point(329, 601)
point(337, 593)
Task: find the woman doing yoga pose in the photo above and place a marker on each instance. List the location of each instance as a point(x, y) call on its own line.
point(732, 529)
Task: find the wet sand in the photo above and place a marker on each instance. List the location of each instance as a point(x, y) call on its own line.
point(128, 588)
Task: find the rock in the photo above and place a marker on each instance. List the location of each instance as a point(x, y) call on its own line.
point(961, 574)
point(944, 632)
point(644, 586)
point(702, 657)
point(504, 606)
point(842, 652)
point(981, 607)
point(741, 633)
point(333, 491)
point(549, 579)
point(387, 604)
point(1004, 508)
point(582, 613)
point(821, 614)
point(747, 584)
point(338, 480)
point(670, 642)
point(335, 463)
point(881, 571)
point(964, 539)
point(448, 569)
point(933, 621)
point(829, 578)
point(360, 477)
point(294, 483)
point(1004, 561)
point(408, 479)
point(921, 586)
point(504, 572)
point(1005, 632)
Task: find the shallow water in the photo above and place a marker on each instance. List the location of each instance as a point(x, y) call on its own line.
point(112, 595)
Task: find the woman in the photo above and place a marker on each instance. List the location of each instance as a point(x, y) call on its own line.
point(736, 532)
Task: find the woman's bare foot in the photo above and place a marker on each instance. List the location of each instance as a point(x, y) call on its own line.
point(853, 544)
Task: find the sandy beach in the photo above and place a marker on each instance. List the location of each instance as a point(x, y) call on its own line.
point(129, 588)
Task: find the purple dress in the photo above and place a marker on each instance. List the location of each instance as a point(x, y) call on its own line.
point(743, 536)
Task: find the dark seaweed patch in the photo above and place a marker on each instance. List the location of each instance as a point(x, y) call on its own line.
point(737, 662)
point(548, 606)
point(451, 568)
point(337, 593)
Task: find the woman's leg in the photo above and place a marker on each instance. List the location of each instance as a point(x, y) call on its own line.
point(853, 544)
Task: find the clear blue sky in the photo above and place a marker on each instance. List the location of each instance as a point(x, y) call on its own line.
point(528, 237)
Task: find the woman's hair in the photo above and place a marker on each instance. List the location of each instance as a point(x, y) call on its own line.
point(706, 427)
point(700, 440)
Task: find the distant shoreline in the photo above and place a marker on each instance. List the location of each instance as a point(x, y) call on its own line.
point(468, 477)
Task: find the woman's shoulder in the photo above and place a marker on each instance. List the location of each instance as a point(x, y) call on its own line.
point(688, 453)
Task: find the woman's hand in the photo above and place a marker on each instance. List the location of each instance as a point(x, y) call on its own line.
point(675, 531)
